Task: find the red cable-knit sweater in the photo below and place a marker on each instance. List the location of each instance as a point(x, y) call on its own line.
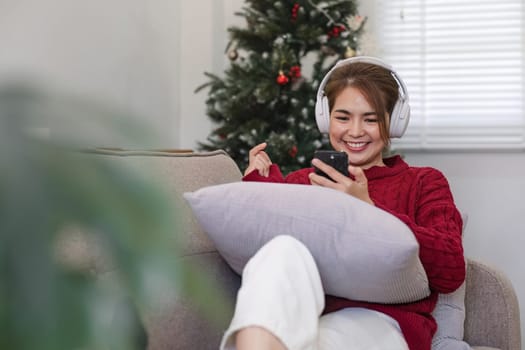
point(421, 198)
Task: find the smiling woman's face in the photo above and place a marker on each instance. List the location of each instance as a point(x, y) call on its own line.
point(354, 129)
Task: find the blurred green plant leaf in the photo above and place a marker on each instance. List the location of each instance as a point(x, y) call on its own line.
point(52, 196)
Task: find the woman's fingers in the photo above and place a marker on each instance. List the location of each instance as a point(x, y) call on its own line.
point(259, 160)
point(262, 164)
point(256, 149)
point(335, 175)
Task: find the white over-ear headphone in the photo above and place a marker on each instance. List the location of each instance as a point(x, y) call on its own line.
point(400, 114)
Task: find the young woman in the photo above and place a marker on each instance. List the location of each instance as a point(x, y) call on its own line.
point(362, 103)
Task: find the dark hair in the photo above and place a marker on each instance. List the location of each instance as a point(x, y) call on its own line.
point(376, 83)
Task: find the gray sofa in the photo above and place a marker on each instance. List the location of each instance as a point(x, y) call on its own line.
point(492, 312)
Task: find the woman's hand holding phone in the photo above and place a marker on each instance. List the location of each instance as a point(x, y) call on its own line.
point(337, 160)
point(335, 179)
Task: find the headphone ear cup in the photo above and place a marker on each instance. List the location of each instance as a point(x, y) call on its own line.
point(399, 118)
point(322, 115)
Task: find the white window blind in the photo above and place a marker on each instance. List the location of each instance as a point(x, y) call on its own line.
point(463, 64)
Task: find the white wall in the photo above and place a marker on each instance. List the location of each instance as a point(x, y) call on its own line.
point(121, 52)
point(203, 41)
point(144, 56)
point(148, 56)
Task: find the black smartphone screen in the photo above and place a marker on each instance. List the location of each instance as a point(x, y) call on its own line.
point(337, 160)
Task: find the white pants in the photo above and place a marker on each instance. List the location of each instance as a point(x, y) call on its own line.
point(281, 292)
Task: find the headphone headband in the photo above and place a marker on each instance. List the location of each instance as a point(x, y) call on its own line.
point(400, 114)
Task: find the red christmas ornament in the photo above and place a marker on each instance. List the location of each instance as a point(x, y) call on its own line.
point(295, 71)
point(282, 79)
point(295, 10)
point(293, 151)
point(336, 31)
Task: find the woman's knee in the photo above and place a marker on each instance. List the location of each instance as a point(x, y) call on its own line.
point(283, 250)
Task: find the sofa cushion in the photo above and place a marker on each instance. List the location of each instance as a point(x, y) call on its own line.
point(362, 252)
point(183, 325)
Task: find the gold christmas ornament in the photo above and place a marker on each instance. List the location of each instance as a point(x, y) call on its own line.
point(349, 52)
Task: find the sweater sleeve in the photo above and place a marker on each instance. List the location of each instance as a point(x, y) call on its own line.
point(295, 177)
point(274, 176)
point(437, 226)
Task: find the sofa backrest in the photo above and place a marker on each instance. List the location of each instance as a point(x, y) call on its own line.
point(179, 325)
point(179, 172)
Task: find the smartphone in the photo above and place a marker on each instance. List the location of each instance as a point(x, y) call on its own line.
point(336, 159)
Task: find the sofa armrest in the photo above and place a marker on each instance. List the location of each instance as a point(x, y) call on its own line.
point(492, 309)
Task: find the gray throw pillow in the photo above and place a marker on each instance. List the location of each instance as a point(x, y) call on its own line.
point(450, 316)
point(362, 252)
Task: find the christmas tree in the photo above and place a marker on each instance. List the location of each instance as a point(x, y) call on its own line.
point(266, 94)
